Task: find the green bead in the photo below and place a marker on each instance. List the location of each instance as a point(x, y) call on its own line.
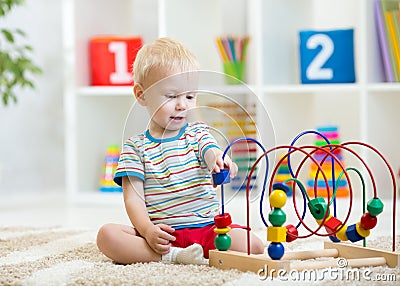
point(222, 242)
point(277, 217)
point(318, 208)
point(375, 206)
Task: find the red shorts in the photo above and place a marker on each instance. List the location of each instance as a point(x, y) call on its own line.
point(202, 235)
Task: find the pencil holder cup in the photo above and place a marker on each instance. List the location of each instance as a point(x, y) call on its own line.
point(234, 72)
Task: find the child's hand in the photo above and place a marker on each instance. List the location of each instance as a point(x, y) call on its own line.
point(225, 164)
point(159, 237)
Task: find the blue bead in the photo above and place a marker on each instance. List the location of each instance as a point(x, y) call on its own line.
point(221, 178)
point(276, 250)
point(334, 239)
point(282, 187)
point(352, 233)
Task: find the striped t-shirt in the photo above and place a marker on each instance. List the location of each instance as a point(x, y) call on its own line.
point(177, 184)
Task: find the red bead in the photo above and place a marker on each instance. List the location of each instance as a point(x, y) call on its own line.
point(291, 229)
point(368, 221)
point(332, 224)
point(222, 221)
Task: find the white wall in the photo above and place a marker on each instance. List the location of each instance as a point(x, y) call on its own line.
point(31, 131)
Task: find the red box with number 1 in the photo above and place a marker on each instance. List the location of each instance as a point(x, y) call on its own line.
point(111, 59)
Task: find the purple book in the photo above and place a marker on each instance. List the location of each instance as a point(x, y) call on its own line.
point(383, 43)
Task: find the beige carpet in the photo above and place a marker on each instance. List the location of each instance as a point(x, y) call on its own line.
point(60, 256)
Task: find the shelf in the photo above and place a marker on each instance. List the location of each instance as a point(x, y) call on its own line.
point(105, 91)
point(310, 88)
point(365, 110)
point(382, 87)
point(99, 91)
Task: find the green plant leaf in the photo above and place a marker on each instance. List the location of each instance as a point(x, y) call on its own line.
point(15, 64)
point(20, 32)
point(8, 35)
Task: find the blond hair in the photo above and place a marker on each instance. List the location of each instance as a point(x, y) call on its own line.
point(163, 53)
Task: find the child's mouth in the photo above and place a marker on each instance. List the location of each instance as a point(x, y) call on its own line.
point(177, 118)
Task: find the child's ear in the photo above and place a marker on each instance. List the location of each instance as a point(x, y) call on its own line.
point(138, 91)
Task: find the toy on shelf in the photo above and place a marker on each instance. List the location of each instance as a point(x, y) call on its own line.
point(318, 184)
point(282, 175)
point(327, 222)
point(110, 165)
point(236, 120)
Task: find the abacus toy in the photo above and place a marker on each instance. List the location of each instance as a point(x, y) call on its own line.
point(319, 207)
point(110, 164)
point(332, 133)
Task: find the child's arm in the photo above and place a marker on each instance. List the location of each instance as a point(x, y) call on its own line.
point(157, 236)
point(214, 162)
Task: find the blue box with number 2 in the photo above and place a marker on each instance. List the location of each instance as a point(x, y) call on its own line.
point(327, 56)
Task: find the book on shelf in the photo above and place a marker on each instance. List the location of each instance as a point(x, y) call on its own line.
point(387, 14)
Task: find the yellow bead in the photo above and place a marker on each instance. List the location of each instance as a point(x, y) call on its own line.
point(276, 233)
point(362, 231)
point(341, 234)
point(319, 221)
point(277, 199)
point(222, 230)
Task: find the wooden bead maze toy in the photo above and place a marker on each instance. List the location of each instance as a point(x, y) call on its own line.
point(339, 232)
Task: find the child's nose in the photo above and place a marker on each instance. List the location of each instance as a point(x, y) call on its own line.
point(181, 102)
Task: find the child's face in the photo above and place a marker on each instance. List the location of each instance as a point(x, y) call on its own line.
point(169, 99)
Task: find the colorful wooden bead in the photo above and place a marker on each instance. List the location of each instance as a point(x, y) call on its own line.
point(362, 231)
point(277, 199)
point(222, 177)
point(222, 242)
point(222, 230)
point(291, 233)
point(222, 220)
point(341, 234)
point(367, 221)
point(277, 217)
point(318, 208)
point(352, 233)
point(282, 187)
point(276, 250)
point(332, 224)
point(319, 221)
point(276, 233)
point(334, 238)
point(375, 206)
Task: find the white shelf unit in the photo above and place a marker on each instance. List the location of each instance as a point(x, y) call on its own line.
point(367, 110)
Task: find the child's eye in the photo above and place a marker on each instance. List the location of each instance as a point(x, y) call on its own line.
point(170, 95)
point(190, 96)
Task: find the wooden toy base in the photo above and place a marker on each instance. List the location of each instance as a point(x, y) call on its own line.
point(355, 255)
